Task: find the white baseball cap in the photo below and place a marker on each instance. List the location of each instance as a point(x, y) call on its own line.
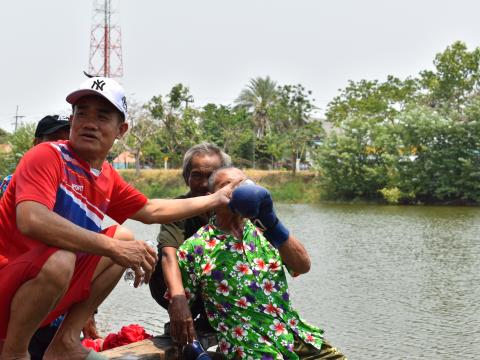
point(106, 87)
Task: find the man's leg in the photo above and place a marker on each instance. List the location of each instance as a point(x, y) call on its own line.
point(34, 300)
point(67, 338)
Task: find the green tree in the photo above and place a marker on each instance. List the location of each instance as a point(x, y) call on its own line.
point(142, 126)
point(231, 129)
point(455, 78)
point(258, 97)
point(3, 136)
point(294, 125)
point(20, 141)
point(371, 101)
point(178, 122)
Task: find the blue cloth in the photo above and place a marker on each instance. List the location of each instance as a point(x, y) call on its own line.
point(4, 185)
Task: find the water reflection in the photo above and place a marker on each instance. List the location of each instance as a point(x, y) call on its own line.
point(386, 282)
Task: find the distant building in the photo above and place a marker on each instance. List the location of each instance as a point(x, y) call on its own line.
point(124, 161)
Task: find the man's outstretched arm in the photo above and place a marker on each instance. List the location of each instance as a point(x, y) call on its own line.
point(163, 211)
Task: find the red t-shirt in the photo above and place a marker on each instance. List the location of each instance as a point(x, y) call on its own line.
point(53, 175)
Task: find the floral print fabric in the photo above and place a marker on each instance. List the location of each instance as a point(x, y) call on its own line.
point(245, 291)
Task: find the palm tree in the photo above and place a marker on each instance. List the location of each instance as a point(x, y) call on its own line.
point(257, 97)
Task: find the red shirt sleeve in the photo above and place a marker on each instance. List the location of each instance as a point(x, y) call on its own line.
point(38, 176)
point(125, 200)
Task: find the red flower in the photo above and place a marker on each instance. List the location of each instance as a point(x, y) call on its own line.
point(212, 243)
point(309, 338)
point(239, 247)
point(278, 327)
point(272, 309)
point(242, 268)
point(182, 254)
point(224, 346)
point(243, 302)
point(223, 288)
point(207, 268)
point(260, 264)
point(268, 286)
point(274, 265)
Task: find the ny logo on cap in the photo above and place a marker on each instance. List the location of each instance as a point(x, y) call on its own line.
point(98, 85)
point(124, 103)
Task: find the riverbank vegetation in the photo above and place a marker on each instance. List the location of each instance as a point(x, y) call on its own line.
point(285, 188)
point(408, 141)
point(412, 140)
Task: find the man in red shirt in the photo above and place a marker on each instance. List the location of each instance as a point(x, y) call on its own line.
point(54, 256)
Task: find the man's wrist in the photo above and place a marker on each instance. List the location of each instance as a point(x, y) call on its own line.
point(182, 298)
point(277, 235)
point(108, 246)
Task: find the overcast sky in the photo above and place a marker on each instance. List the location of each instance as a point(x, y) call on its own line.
point(216, 46)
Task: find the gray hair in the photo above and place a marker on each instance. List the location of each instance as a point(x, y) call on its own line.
point(213, 176)
point(203, 148)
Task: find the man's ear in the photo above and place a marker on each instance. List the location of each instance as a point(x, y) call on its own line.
point(122, 129)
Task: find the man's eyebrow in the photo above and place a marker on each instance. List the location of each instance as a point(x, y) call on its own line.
point(105, 110)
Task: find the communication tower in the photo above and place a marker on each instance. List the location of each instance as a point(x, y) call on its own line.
point(105, 41)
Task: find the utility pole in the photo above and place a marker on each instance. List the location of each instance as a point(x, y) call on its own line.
point(105, 41)
point(17, 117)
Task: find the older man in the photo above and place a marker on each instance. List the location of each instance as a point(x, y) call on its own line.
point(239, 269)
point(198, 164)
point(54, 257)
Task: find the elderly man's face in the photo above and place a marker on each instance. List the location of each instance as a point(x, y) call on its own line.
point(222, 178)
point(203, 165)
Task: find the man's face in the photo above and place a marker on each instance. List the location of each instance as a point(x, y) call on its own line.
point(96, 123)
point(202, 167)
point(61, 134)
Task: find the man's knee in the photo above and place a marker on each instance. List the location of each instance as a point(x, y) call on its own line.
point(58, 269)
point(122, 233)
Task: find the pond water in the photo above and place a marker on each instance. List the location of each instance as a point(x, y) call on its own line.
point(386, 282)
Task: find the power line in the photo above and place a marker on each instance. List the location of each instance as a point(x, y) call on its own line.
point(17, 117)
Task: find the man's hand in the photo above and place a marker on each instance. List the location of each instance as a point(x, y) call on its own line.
point(224, 194)
point(181, 322)
point(90, 328)
point(136, 255)
point(255, 202)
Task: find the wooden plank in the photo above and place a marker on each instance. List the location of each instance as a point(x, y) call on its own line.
point(157, 348)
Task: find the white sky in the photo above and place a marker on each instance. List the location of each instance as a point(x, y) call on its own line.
point(216, 46)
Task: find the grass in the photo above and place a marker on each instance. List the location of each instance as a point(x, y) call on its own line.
point(285, 188)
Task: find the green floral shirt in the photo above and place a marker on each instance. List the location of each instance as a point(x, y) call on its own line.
point(245, 291)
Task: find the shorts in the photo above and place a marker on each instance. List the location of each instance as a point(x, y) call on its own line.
point(28, 265)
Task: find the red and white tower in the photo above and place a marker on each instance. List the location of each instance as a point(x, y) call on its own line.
point(105, 41)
